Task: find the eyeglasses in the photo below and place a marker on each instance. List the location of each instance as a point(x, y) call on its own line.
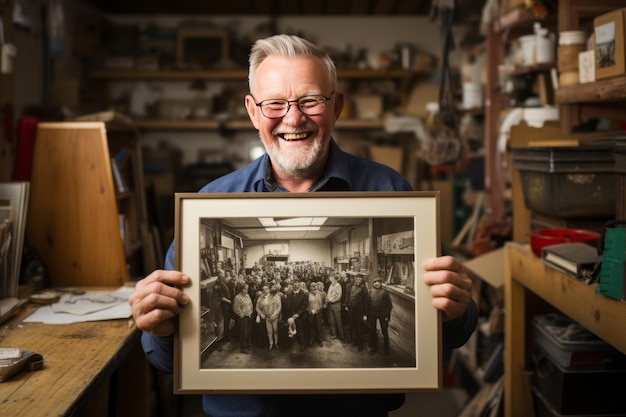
point(309, 105)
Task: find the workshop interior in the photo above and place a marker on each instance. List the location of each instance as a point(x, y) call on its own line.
point(507, 118)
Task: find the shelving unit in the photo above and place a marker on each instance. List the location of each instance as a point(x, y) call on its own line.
point(533, 288)
point(404, 78)
point(498, 33)
point(530, 286)
point(572, 15)
point(139, 240)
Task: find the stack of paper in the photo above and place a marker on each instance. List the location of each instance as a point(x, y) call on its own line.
point(90, 306)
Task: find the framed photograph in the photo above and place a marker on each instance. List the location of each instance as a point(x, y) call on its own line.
point(307, 293)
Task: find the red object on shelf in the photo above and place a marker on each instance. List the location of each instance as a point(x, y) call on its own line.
point(547, 237)
point(26, 135)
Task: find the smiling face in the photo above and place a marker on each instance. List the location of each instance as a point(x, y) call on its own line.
point(297, 144)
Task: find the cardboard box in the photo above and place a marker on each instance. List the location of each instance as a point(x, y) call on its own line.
point(368, 107)
point(610, 51)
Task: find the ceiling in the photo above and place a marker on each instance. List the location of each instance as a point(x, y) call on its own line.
point(265, 7)
point(252, 229)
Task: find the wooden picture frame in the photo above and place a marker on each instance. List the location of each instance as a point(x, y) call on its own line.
point(223, 231)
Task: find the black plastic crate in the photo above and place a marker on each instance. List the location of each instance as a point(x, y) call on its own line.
point(568, 182)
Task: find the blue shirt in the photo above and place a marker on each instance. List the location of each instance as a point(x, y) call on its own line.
point(344, 172)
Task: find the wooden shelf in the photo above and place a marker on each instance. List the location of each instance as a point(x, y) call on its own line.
point(403, 78)
point(515, 17)
point(243, 124)
point(531, 288)
point(532, 69)
point(520, 20)
point(597, 313)
point(612, 89)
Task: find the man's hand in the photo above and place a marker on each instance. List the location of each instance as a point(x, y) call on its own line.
point(450, 285)
point(155, 302)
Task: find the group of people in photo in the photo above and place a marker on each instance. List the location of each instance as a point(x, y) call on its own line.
point(279, 306)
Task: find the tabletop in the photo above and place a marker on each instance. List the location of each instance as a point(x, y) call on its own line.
point(78, 359)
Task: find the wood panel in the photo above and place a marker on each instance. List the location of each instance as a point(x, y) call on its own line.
point(80, 360)
point(609, 90)
point(532, 287)
point(73, 218)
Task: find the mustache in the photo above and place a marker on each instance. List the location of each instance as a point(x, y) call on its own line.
point(280, 130)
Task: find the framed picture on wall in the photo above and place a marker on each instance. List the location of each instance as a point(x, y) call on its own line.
point(277, 332)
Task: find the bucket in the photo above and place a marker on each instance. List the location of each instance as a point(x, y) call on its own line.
point(545, 50)
point(528, 45)
point(537, 48)
point(472, 95)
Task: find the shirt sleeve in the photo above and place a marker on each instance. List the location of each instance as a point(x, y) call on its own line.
point(457, 332)
point(159, 351)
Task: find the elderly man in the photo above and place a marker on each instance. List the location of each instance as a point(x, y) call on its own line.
point(294, 104)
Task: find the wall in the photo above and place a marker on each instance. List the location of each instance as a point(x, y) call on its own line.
point(305, 251)
point(310, 250)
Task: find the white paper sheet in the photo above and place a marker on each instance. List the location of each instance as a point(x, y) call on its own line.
point(83, 310)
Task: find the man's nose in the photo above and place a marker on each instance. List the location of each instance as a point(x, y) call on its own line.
point(294, 113)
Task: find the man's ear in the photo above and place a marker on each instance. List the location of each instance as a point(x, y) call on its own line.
point(339, 101)
point(253, 110)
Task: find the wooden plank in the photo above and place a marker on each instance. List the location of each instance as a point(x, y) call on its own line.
point(600, 315)
point(521, 214)
point(612, 89)
point(78, 359)
point(521, 305)
point(494, 179)
point(514, 335)
point(73, 219)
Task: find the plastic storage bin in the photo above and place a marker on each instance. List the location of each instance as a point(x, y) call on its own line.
point(590, 390)
point(568, 182)
point(576, 373)
point(544, 409)
point(569, 344)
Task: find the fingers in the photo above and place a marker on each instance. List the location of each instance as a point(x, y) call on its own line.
point(156, 302)
point(450, 285)
point(451, 309)
point(446, 269)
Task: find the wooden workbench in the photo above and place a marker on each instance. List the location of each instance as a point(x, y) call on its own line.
point(89, 369)
point(531, 287)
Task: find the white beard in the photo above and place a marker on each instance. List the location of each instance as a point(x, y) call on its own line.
point(297, 162)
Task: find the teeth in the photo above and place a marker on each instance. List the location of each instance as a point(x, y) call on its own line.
point(294, 136)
